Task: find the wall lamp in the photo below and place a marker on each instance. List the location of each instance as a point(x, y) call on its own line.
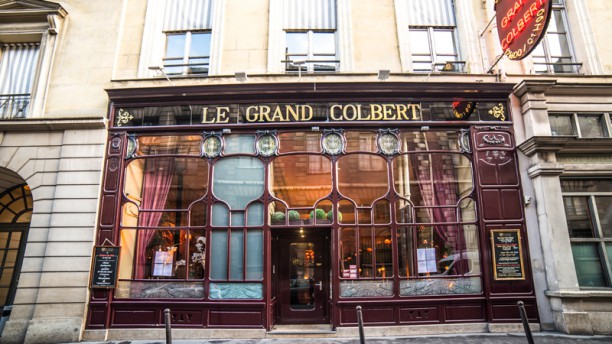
point(383, 74)
point(240, 76)
point(161, 70)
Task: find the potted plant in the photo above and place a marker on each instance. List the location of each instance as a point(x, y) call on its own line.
point(318, 215)
point(294, 217)
point(277, 218)
point(330, 216)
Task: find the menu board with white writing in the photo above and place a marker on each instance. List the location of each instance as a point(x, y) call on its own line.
point(104, 270)
point(507, 255)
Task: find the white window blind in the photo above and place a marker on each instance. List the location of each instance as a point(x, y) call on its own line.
point(17, 68)
point(430, 13)
point(309, 15)
point(187, 15)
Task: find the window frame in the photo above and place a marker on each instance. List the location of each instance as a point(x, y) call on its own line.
point(186, 66)
point(293, 65)
point(605, 121)
point(456, 65)
point(598, 238)
point(550, 66)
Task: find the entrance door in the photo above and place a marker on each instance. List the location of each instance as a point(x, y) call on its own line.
point(303, 276)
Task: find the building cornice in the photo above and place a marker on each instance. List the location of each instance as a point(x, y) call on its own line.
point(312, 91)
point(55, 124)
point(565, 144)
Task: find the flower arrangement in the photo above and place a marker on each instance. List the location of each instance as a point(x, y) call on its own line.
point(199, 257)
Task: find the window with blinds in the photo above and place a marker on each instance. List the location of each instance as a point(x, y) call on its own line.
point(433, 36)
point(17, 70)
point(187, 27)
point(310, 28)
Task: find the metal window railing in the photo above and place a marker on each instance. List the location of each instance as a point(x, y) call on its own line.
point(14, 105)
point(300, 64)
point(558, 67)
point(173, 65)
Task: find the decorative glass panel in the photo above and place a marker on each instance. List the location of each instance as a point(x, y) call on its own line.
point(380, 288)
point(225, 291)
point(159, 290)
point(439, 286)
point(237, 255)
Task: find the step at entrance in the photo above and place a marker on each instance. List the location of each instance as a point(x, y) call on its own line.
point(302, 331)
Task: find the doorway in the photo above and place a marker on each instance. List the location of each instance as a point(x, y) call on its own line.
point(302, 282)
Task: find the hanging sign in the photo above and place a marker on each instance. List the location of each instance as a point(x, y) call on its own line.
point(507, 255)
point(104, 267)
point(521, 24)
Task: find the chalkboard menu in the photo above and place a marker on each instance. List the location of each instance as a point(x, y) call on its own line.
point(104, 269)
point(507, 254)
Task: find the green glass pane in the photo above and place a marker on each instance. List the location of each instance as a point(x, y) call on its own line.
point(218, 255)
point(220, 215)
point(588, 265)
point(255, 255)
point(235, 144)
point(255, 214)
point(238, 181)
point(237, 255)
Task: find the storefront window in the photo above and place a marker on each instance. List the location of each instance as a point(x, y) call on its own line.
point(180, 224)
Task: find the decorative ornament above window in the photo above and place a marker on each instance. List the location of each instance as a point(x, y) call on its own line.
point(267, 144)
point(333, 142)
point(132, 146)
point(212, 145)
point(463, 109)
point(388, 142)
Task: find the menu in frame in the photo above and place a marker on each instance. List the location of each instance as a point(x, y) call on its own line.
point(507, 255)
point(104, 269)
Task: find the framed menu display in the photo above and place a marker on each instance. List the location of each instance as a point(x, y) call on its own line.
point(163, 263)
point(507, 254)
point(104, 267)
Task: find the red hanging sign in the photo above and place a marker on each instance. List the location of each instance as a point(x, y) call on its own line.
point(521, 24)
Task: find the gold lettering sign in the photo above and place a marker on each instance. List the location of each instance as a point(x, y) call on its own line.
point(274, 113)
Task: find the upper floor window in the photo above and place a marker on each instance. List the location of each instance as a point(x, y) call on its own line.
point(24, 66)
point(554, 53)
point(588, 209)
point(581, 125)
point(179, 37)
point(433, 36)
point(187, 53)
point(310, 36)
point(17, 70)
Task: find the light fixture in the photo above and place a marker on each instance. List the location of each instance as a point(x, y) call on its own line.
point(240, 76)
point(161, 70)
point(383, 74)
point(227, 131)
point(425, 128)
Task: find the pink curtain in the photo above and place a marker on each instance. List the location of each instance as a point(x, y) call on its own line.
point(155, 187)
point(438, 186)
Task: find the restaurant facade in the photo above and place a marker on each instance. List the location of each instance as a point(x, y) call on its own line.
point(258, 205)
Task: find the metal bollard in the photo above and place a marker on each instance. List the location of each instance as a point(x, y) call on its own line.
point(523, 312)
point(360, 324)
point(168, 320)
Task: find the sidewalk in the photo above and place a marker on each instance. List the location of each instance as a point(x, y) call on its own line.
point(512, 338)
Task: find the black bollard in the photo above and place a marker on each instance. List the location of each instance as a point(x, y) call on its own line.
point(168, 320)
point(521, 307)
point(360, 324)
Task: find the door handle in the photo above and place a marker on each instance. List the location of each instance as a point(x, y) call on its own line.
point(320, 285)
